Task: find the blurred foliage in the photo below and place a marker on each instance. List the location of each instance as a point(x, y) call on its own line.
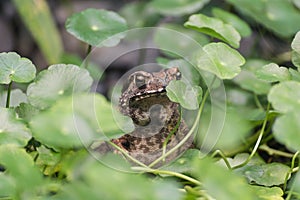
point(247, 104)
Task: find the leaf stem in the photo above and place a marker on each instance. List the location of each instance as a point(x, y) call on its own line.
point(272, 151)
point(8, 94)
point(291, 169)
point(127, 155)
point(171, 173)
point(189, 133)
point(219, 152)
point(173, 131)
point(257, 102)
point(89, 49)
point(87, 55)
point(257, 141)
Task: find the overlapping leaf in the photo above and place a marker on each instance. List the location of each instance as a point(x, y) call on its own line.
point(272, 73)
point(97, 27)
point(215, 28)
point(177, 7)
point(241, 26)
point(188, 96)
point(14, 68)
point(58, 81)
point(12, 131)
point(220, 59)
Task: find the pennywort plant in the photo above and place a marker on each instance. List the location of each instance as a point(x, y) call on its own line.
point(47, 129)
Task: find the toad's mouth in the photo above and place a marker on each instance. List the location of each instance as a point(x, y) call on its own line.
point(147, 94)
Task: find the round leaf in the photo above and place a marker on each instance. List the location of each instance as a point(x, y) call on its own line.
point(241, 26)
point(296, 182)
point(177, 7)
point(285, 96)
point(187, 96)
point(266, 193)
point(220, 59)
point(57, 81)
point(96, 181)
point(219, 182)
point(182, 43)
point(77, 121)
point(96, 27)
point(215, 28)
point(272, 73)
point(247, 80)
point(281, 17)
point(12, 131)
point(16, 97)
point(267, 174)
point(296, 50)
point(139, 14)
point(14, 68)
point(286, 130)
point(21, 168)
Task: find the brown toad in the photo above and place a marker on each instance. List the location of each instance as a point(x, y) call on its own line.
point(156, 118)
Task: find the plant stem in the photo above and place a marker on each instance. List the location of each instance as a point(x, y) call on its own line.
point(87, 55)
point(188, 135)
point(89, 49)
point(291, 169)
point(127, 155)
point(219, 152)
point(258, 140)
point(257, 102)
point(8, 94)
point(173, 131)
point(166, 172)
point(272, 151)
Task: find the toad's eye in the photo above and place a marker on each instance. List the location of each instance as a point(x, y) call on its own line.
point(178, 75)
point(140, 81)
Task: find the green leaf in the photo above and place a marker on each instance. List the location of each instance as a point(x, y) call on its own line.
point(57, 81)
point(20, 167)
point(182, 43)
point(77, 121)
point(139, 14)
point(220, 59)
point(12, 131)
point(272, 73)
point(7, 186)
point(94, 180)
point(296, 183)
point(247, 80)
point(279, 16)
point(215, 28)
point(266, 174)
point(97, 27)
point(177, 7)
point(221, 183)
point(37, 17)
point(241, 158)
point(47, 160)
point(241, 26)
point(286, 130)
point(266, 193)
point(16, 97)
point(296, 50)
point(232, 132)
point(189, 73)
point(26, 111)
point(95, 70)
point(15, 68)
point(295, 75)
point(187, 96)
point(183, 164)
point(285, 96)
